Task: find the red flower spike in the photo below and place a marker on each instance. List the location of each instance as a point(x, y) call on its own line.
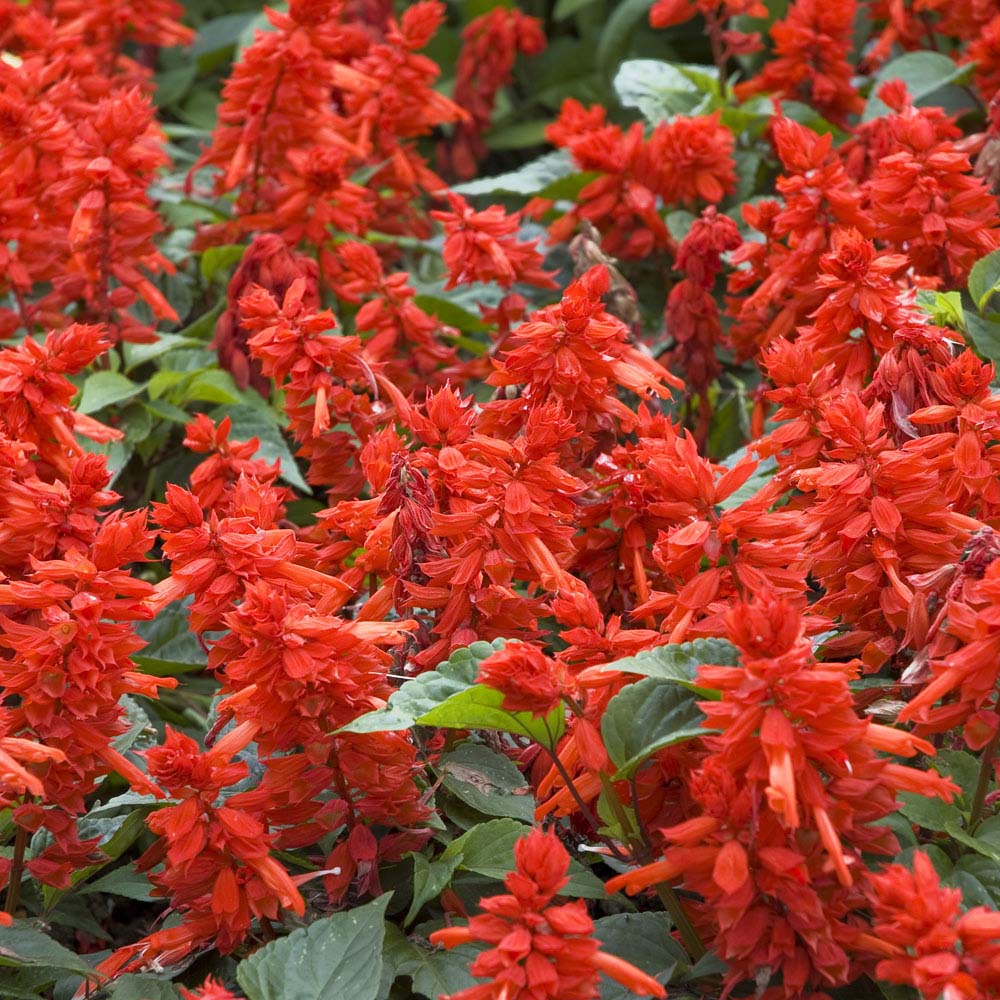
point(539, 950)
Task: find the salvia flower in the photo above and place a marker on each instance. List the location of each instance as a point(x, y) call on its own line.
point(540, 951)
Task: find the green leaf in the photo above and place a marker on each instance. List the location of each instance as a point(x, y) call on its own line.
point(961, 767)
point(660, 90)
point(530, 179)
point(930, 813)
point(642, 939)
point(984, 331)
point(488, 849)
point(173, 84)
point(979, 880)
point(420, 695)
point(924, 73)
point(518, 135)
point(645, 717)
point(984, 279)
point(131, 987)
point(434, 972)
point(480, 707)
point(172, 647)
point(943, 308)
point(216, 261)
point(103, 389)
point(211, 386)
point(252, 421)
point(139, 354)
point(679, 662)
point(203, 328)
point(24, 945)
point(488, 781)
point(220, 34)
point(451, 313)
point(124, 881)
point(617, 32)
point(331, 959)
point(986, 841)
point(567, 8)
point(430, 879)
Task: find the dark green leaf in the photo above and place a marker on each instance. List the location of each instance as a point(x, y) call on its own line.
point(430, 879)
point(679, 662)
point(24, 945)
point(642, 939)
point(567, 8)
point(171, 646)
point(220, 34)
point(985, 334)
point(979, 880)
point(434, 972)
point(124, 881)
point(331, 959)
point(931, 814)
point(487, 781)
point(617, 32)
point(132, 987)
point(961, 767)
point(518, 135)
point(252, 421)
point(451, 313)
point(645, 717)
point(488, 849)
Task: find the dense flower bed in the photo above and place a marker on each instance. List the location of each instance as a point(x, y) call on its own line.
point(499, 503)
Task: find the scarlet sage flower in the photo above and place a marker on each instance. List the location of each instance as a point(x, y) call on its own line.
point(692, 313)
point(540, 951)
point(924, 939)
point(528, 680)
point(810, 64)
point(789, 798)
point(576, 352)
point(483, 246)
point(693, 159)
point(211, 989)
point(117, 153)
point(621, 204)
point(269, 263)
point(490, 44)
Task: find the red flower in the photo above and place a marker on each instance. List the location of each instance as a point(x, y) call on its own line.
point(929, 943)
point(811, 47)
point(528, 680)
point(211, 989)
point(539, 951)
point(692, 159)
point(483, 246)
point(490, 44)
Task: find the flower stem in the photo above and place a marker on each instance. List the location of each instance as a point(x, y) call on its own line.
point(985, 773)
point(16, 868)
point(693, 943)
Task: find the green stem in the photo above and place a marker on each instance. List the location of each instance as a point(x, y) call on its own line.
point(688, 934)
